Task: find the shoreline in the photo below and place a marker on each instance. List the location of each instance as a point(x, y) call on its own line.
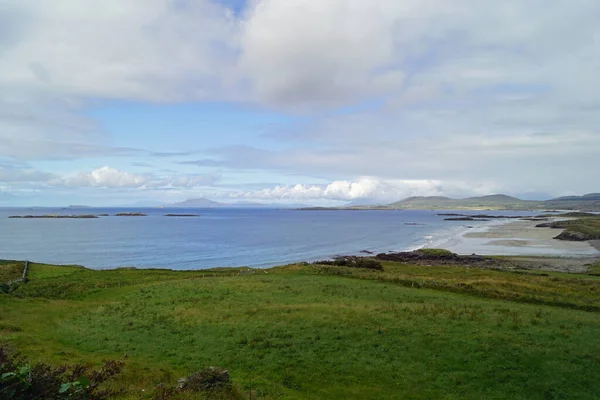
point(519, 238)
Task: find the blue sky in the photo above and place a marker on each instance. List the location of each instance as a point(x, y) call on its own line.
point(296, 102)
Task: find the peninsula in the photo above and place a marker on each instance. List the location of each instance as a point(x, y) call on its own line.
point(589, 202)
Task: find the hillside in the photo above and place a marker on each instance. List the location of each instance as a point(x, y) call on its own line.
point(587, 202)
point(495, 201)
point(205, 203)
point(197, 203)
point(319, 332)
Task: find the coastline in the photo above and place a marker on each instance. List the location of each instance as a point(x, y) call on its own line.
point(519, 238)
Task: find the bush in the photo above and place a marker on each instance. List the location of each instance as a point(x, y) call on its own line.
point(438, 253)
point(353, 262)
point(19, 380)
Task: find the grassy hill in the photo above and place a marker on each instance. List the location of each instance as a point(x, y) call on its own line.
point(320, 332)
point(588, 202)
point(490, 202)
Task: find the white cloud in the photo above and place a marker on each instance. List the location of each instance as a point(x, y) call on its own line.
point(504, 92)
point(366, 188)
point(104, 177)
point(107, 177)
point(10, 175)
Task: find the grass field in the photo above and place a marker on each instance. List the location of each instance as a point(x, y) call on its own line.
point(312, 332)
point(10, 270)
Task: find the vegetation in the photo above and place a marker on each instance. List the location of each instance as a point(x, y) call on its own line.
point(437, 253)
point(10, 270)
point(585, 227)
point(317, 331)
point(22, 381)
point(594, 269)
point(353, 262)
point(589, 202)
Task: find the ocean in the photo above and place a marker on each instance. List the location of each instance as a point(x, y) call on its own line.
point(218, 237)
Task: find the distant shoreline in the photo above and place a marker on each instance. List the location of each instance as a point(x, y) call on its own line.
point(521, 238)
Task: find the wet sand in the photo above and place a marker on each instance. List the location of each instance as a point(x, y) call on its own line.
point(520, 238)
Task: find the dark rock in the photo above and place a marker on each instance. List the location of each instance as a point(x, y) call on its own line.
point(465, 219)
point(131, 214)
point(573, 236)
point(440, 257)
point(206, 379)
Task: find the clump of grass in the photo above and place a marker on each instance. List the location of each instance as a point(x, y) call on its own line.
point(594, 269)
point(10, 270)
point(40, 381)
point(353, 262)
point(437, 253)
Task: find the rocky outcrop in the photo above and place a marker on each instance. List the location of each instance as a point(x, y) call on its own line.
point(204, 380)
point(465, 219)
point(439, 257)
point(131, 214)
point(54, 216)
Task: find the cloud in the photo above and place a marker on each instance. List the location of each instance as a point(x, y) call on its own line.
point(107, 177)
point(160, 50)
point(104, 177)
point(366, 188)
point(9, 175)
point(412, 91)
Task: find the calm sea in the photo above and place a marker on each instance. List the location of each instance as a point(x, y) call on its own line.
point(217, 237)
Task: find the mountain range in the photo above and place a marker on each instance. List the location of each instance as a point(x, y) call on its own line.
point(588, 202)
point(205, 203)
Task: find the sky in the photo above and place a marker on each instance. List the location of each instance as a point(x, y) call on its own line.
point(325, 102)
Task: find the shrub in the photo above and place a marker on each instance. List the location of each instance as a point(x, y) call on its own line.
point(19, 380)
point(438, 253)
point(353, 262)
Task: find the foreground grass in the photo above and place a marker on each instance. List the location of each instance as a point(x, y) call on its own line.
point(10, 270)
point(307, 331)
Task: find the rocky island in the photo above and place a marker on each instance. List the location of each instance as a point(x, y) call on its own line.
point(54, 216)
point(131, 214)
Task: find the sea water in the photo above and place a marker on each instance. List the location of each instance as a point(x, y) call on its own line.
point(219, 237)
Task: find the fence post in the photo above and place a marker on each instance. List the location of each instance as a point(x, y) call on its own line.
point(25, 271)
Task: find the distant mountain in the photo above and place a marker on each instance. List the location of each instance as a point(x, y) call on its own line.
point(587, 202)
point(363, 202)
point(197, 203)
point(205, 203)
point(493, 201)
point(585, 197)
point(495, 198)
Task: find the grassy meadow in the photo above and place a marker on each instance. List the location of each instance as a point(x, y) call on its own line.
point(320, 332)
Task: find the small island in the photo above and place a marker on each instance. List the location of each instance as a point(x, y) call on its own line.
point(131, 214)
point(182, 215)
point(54, 216)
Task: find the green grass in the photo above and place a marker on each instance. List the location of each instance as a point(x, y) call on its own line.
point(436, 252)
point(312, 332)
point(10, 270)
point(589, 226)
point(584, 227)
point(594, 269)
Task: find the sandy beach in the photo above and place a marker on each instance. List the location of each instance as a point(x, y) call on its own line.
point(520, 238)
